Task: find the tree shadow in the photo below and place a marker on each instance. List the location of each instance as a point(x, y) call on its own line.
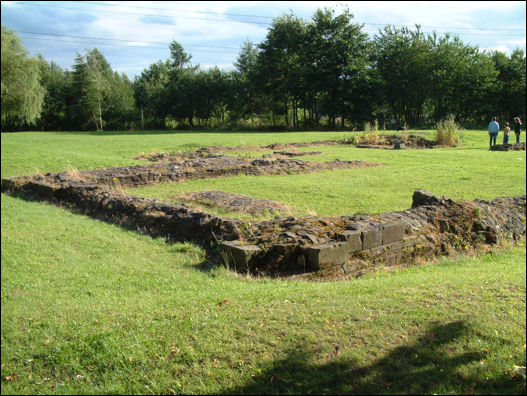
point(141, 132)
point(422, 367)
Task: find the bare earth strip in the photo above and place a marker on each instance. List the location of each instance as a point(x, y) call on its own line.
point(233, 202)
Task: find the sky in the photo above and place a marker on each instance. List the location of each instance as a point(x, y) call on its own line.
point(134, 34)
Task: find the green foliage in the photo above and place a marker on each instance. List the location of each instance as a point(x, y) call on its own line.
point(98, 93)
point(307, 74)
point(509, 92)
point(448, 133)
point(22, 93)
point(56, 83)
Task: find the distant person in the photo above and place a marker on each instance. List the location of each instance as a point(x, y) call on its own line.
point(506, 132)
point(517, 128)
point(494, 128)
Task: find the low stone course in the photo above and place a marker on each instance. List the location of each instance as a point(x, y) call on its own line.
point(509, 147)
point(233, 202)
point(306, 247)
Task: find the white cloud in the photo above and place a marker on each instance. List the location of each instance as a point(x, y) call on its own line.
point(193, 26)
point(501, 48)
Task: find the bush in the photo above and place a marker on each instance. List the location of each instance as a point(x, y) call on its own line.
point(448, 133)
point(372, 134)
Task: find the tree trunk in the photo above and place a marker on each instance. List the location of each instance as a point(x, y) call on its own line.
point(100, 113)
point(286, 115)
point(142, 119)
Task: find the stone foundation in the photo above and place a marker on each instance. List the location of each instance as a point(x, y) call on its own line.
point(509, 147)
point(308, 247)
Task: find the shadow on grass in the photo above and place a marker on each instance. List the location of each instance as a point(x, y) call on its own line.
point(422, 367)
point(187, 131)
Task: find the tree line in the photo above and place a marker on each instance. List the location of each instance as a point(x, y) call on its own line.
point(307, 74)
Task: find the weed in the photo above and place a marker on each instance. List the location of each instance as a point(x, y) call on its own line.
point(371, 134)
point(73, 172)
point(116, 185)
point(448, 133)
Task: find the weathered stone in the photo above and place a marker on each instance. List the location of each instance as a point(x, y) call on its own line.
point(352, 266)
point(237, 254)
point(392, 232)
point(328, 255)
point(468, 223)
point(509, 147)
point(310, 237)
point(353, 238)
point(371, 237)
point(391, 260)
point(423, 197)
point(399, 146)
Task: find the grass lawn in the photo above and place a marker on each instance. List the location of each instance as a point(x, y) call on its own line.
point(89, 308)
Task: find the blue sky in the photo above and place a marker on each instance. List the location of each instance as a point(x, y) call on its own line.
point(134, 34)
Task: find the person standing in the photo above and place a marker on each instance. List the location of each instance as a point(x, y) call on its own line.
point(494, 128)
point(517, 128)
point(506, 132)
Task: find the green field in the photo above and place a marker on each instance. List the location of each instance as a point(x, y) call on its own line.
point(90, 308)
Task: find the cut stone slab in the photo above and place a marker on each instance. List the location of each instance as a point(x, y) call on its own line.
point(352, 238)
point(328, 255)
point(393, 232)
point(371, 237)
point(237, 254)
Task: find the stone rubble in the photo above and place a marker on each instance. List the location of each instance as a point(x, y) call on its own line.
point(305, 247)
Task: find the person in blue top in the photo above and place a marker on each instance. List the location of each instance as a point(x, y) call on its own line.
point(494, 128)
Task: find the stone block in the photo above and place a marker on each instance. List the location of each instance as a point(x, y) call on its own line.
point(391, 260)
point(352, 238)
point(237, 254)
point(371, 237)
point(328, 255)
point(352, 266)
point(393, 232)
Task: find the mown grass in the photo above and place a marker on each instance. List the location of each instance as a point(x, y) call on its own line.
point(88, 307)
point(468, 172)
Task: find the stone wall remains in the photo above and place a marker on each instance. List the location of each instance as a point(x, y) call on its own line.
point(307, 247)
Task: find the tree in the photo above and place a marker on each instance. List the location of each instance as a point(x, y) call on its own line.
point(22, 93)
point(178, 57)
point(244, 92)
point(55, 82)
point(100, 96)
point(403, 60)
point(150, 93)
point(278, 66)
point(339, 54)
point(462, 78)
point(509, 94)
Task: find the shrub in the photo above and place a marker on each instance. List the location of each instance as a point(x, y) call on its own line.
point(448, 133)
point(371, 134)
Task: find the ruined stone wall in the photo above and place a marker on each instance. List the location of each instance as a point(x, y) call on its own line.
point(311, 247)
point(340, 246)
point(187, 169)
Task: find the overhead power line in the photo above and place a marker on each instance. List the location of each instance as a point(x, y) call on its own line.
point(171, 9)
point(134, 13)
point(248, 15)
point(123, 40)
point(116, 45)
